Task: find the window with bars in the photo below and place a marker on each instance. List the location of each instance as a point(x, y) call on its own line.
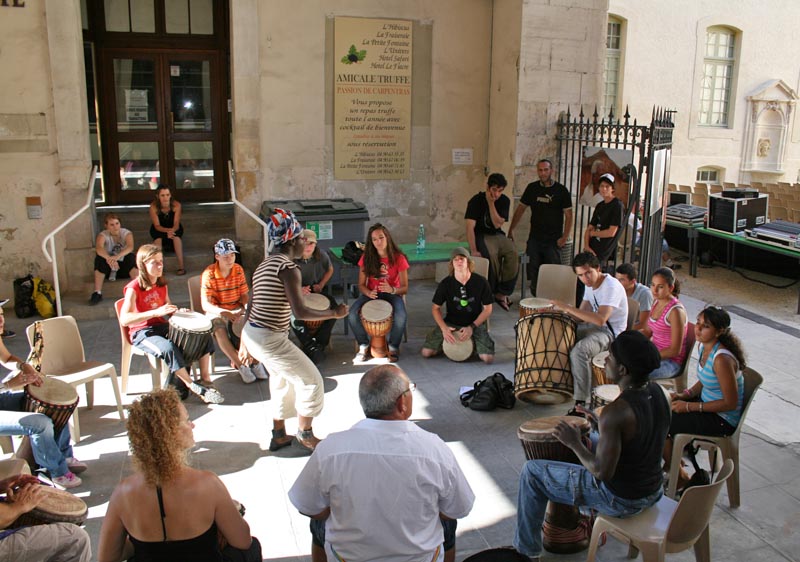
point(717, 82)
point(708, 175)
point(179, 17)
point(612, 68)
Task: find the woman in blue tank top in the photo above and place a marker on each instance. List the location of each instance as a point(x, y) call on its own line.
point(166, 510)
point(713, 405)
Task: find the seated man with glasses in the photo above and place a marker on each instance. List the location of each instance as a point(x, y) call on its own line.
point(384, 489)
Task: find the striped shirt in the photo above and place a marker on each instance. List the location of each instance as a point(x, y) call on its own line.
point(711, 388)
point(224, 292)
point(270, 307)
point(662, 331)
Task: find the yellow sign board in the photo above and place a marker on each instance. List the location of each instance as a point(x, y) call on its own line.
point(372, 98)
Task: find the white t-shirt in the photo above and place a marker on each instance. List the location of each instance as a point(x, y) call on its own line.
point(610, 293)
point(386, 483)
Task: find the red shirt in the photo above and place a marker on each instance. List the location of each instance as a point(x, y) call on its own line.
point(390, 272)
point(147, 300)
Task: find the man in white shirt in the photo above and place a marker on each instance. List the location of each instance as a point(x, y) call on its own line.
point(626, 275)
point(384, 489)
point(603, 315)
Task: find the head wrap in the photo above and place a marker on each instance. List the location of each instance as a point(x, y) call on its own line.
point(634, 350)
point(282, 226)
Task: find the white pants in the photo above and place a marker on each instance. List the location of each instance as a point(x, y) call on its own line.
point(295, 384)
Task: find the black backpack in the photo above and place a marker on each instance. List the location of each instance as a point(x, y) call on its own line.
point(490, 393)
point(24, 305)
point(352, 252)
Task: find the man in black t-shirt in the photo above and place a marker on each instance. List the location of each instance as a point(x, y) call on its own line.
point(468, 299)
point(551, 220)
point(486, 213)
point(600, 236)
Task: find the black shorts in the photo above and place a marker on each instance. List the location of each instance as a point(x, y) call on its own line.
point(699, 423)
point(125, 266)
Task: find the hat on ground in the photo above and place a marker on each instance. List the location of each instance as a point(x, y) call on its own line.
point(460, 251)
point(225, 246)
point(309, 235)
point(607, 177)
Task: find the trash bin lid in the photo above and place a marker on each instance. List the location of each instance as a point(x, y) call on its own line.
point(305, 209)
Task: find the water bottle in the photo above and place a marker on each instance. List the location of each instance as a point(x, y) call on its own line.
point(113, 275)
point(421, 239)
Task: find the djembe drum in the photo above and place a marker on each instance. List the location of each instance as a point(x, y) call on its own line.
point(57, 506)
point(532, 304)
point(315, 301)
point(565, 530)
point(190, 332)
point(376, 317)
point(599, 368)
point(542, 372)
point(459, 350)
point(55, 399)
point(604, 395)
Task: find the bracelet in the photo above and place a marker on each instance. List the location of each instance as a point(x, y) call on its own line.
point(394, 291)
point(701, 407)
point(20, 364)
point(473, 326)
point(687, 407)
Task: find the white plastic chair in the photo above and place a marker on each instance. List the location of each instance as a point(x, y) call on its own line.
point(157, 367)
point(63, 357)
point(556, 282)
point(668, 526)
point(729, 445)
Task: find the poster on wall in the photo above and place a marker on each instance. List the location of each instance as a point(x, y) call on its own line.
point(599, 160)
point(372, 98)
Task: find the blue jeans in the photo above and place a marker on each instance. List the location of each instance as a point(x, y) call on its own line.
point(49, 451)
point(566, 483)
point(666, 370)
point(398, 321)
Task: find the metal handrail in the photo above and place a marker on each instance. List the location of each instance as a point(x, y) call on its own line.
point(243, 207)
point(50, 238)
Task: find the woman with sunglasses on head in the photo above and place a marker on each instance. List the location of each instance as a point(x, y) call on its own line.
point(713, 405)
point(316, 270)
point(383, 274)
point(667, 323)
point(295, 383)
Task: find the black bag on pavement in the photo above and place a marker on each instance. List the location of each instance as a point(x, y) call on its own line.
point(490, 393)
point(24, 305)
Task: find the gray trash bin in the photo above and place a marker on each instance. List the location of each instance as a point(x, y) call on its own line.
point(336, 221)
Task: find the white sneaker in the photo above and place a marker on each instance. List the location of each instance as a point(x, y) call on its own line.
point(259, 371)
point(75, 466)
point(69, 480)
point(247, 374)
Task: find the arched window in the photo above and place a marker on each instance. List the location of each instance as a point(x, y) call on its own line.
point(718, 72)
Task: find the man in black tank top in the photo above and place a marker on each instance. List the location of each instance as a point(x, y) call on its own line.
point(622, 475)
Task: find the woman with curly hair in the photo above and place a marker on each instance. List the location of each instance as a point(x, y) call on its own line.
point(713, 405)
point(167, 510)
point(383, 274)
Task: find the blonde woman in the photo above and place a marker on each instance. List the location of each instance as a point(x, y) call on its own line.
point(167, 510)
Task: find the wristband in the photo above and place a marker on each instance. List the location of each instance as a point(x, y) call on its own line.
point(687, 407)
point(394, 291)
point(701, 407)
point(473, 326)
point(20, 364)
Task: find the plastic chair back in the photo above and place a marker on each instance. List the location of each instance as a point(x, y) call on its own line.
point(481, 266)
point(64, 346)
point(633, 312)
point(556, 282)
point(694, 509)
point(193, 283)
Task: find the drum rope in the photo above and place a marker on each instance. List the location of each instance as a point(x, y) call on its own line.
point(559, 535)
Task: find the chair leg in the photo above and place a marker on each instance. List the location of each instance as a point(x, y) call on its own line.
point(90, 394)
point(678, 443)
point(652, 552)
point(633, 551)
point(113, 378)
point(702, 548)
point(593, 543)
point(125, 370)
point(75, 426)
point(733, 482)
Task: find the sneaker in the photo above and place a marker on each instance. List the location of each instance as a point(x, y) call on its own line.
point(75, 466)
point(361, 356)
point(260, 371)
point(112, 276)
point(69, 480)
point(207, 394)
point(95, 298)
point(8, 334)
point(247, 374)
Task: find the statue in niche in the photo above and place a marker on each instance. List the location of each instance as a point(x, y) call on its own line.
point(763, 147)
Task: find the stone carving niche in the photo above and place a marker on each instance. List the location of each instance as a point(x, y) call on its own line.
point(769, 115)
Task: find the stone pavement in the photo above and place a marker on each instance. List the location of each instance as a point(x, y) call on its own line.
point(232, 438)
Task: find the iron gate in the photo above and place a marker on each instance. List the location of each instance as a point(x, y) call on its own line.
point(651, 146)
